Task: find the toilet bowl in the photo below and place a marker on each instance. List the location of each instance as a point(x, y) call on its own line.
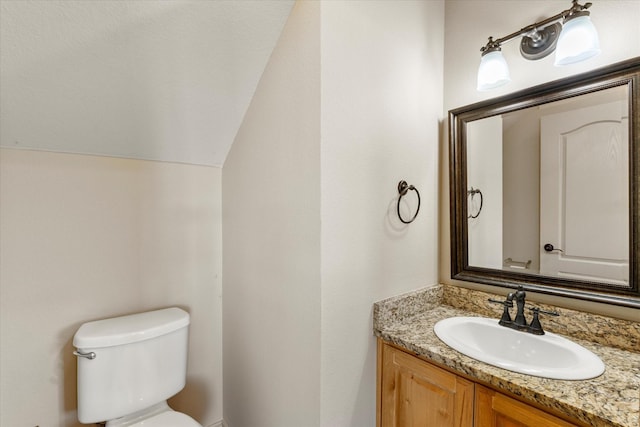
point(129, 366)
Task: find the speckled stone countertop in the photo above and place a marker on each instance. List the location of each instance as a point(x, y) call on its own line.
point(612, 399)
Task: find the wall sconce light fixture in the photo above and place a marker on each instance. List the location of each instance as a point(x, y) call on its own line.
point(570, 33)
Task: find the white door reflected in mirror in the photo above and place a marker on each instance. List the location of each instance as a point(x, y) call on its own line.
point(584, 202)
point(555, 173)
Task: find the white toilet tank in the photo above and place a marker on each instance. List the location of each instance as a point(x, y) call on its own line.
point(139, 360)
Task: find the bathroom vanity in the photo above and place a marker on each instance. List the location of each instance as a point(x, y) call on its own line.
point(536, 221)
point(414, 389)
point(422, 381)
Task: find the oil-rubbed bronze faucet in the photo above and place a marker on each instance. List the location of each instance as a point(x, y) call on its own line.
point(520, 322)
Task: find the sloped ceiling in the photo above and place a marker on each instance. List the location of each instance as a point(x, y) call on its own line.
point(155, 79)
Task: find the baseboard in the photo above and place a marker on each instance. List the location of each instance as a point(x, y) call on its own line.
point(220, 423)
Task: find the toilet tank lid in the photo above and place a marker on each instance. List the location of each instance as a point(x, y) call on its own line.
point(131, 328)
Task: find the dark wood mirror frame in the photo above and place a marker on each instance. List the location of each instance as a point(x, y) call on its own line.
point(626, 73)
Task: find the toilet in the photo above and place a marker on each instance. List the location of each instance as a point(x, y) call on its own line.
point(129, 366)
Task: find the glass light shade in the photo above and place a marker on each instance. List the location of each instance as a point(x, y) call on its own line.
point(578, 41)
point(493, 71)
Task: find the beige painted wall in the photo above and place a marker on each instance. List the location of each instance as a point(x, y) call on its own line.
point(381, 101)
point(521, 164)
point(271, 229)
point(84, 238)
point(348, 106)
point(617, 25)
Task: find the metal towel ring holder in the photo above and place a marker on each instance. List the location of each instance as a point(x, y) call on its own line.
point(472, 193)
point(403, 188)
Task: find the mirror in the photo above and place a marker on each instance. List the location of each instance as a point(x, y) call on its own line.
point(544, 187)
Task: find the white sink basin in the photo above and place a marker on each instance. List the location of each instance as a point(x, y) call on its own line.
point(547, 356)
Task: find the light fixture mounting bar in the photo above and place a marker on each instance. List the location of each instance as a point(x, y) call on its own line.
point(570, 34)
point(533, 28)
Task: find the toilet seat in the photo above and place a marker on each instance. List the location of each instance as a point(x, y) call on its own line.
point(159, 415)
point(168, 419)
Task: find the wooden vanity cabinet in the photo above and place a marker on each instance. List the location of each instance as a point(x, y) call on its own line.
point(493, 409)
point(415, 393)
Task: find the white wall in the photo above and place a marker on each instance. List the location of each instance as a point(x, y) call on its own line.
point(470, 23)
point(381, 101)
point(467, 27)
point(348, 107)
point(484, 173)
point(154, 79)
point(88, 237)
point(271, 229)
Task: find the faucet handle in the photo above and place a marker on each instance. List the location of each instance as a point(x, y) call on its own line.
point(506, 317)
point(539, 310)
point(506, 303)
point(536, 327)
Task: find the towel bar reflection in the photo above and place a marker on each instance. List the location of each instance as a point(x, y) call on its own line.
point(472, 193)
point(517, 264)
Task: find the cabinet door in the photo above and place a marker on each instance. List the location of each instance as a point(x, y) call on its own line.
point(497, 410)
point(414, 393)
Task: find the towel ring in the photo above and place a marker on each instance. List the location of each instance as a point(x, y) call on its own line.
point(472, 193)
point(403, 188)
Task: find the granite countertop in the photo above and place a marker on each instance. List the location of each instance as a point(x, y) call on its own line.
point(612, 399)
